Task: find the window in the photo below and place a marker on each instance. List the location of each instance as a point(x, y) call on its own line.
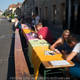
point(40, 12)
point(46, 13)
point(36, 10)
point(62, 11)
point(54, 12)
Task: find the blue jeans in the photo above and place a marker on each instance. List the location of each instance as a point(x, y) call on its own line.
point(75, 70)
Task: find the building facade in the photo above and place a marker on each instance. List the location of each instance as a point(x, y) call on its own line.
point(14, 7)
point(73, 15)
point(27, 8)
point(51, 10)
point(1, 12)
point(48, 10)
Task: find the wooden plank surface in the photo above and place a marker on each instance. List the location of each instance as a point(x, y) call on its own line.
point(21, 67)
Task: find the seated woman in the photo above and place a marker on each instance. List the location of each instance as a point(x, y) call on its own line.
point(75, 56)
point(44, 33)
point(61, 44)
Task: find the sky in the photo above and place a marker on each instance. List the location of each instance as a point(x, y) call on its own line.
point(5, 3)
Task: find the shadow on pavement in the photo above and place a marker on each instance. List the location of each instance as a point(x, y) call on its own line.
point(11, 66)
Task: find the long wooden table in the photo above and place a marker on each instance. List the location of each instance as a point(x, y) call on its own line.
point(48, 65)
point(37, 56)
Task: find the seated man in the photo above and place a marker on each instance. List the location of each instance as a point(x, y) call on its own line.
point(75, 56)
point(44, 33)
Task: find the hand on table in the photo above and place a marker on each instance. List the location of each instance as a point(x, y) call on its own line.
point(41, 37)
point(57, 51)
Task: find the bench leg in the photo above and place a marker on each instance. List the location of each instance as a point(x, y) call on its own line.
point(44, 74)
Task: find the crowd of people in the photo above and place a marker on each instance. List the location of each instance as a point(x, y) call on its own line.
point(66, 44)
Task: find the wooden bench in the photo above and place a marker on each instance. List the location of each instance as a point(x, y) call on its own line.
point(21, 67)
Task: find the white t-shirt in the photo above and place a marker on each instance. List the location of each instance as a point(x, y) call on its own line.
point(37, 20)
point(16, 23)
point(77, 50)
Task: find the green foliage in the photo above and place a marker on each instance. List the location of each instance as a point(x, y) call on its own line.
point(12, 16)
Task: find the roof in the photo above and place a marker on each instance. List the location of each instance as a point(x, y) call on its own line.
point(15, 5)
point(12, 6)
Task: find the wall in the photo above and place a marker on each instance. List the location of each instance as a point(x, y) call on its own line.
point(51, 10)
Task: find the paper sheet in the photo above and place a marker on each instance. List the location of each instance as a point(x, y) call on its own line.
point(49, 53)
point(59, 62)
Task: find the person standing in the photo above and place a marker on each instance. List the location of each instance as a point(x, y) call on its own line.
point(33, 22)
point(16, 22)
point(37, 19)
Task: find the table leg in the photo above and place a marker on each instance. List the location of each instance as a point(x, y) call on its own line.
point(36, 73)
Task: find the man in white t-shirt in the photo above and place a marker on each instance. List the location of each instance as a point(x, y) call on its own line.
point(75, 56)
point(76, 50)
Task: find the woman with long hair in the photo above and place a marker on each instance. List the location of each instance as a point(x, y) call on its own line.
point(61, 42)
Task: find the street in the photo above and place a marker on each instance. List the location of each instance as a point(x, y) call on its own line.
point(6, 50)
